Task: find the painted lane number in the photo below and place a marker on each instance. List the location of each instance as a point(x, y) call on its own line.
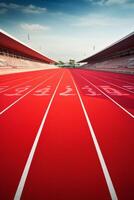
point(129, 87)
point(18, 91)
point(43, 92)
point(3, 87)
point(89, 91)
point(67, 92)
point(112, 91)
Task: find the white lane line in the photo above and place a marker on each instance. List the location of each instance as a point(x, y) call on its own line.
point(124, 78)
point(108, 76)
point(31, 155)
point(16, 86)
point(21, 83)
point(3, 83)
point(12, 80)
point(3, 111)
point(98, 150)
point(130, 83)
point(112, 84)
point(130, 114)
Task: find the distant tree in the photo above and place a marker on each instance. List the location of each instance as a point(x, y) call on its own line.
point(72, 63)
point(60, 63)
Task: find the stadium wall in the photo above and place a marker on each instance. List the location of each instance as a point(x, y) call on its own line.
point(16, 55)
point(118, 57)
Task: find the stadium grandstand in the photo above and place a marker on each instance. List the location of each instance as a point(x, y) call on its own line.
point(17, 56)
point(118, 57)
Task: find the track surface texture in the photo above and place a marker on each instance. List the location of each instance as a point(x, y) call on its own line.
point(67, 134)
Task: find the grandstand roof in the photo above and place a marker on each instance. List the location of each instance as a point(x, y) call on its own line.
point(124, 44)
point(9, 42)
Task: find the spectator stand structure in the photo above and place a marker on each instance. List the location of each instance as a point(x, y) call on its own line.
point(118, 57)
point(17, 56)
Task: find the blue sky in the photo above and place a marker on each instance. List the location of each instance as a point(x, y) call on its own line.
point(67, 29)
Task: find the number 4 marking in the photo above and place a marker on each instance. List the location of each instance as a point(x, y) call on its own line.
point(112, 91)
point(43, 92)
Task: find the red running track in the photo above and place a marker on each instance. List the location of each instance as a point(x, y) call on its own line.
point(67, 134)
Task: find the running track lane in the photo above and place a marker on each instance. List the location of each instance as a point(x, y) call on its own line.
point(122, 97)
point(13, 95)
point(112, 75)
point(65, 164)
point(18, 129)
point(65, 154)
point(114, 130)
point(15, 76)
point(16, 82)
point(119, 83)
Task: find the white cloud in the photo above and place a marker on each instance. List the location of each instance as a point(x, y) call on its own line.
point(34, 27)
point(98, 2)
point(92, 21)
point(85, 32)
point(34, 9)
point(23, 8)
point(96, 20)
point(115, 2)
point(126, 3)
point(102, 21)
